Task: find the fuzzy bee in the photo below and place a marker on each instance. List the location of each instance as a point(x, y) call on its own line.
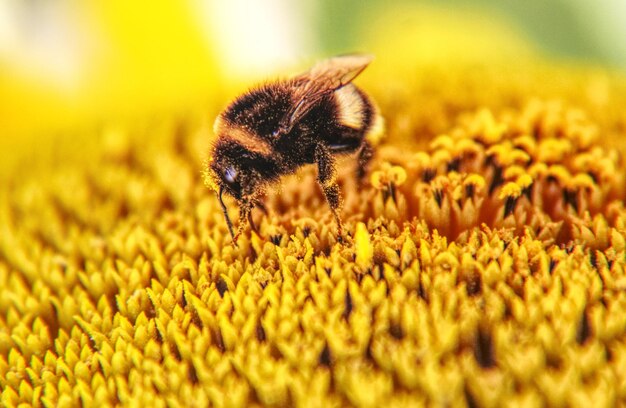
point(274, 129)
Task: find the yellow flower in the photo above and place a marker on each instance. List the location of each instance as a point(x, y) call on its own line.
point(494, 277)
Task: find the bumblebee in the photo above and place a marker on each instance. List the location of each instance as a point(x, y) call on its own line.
point(274, 129)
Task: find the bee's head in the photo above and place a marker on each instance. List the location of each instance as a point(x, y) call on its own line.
point(227, 172)
point(228, 176)
point(240, 162)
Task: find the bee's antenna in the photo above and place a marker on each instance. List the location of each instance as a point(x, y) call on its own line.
point(225, 211)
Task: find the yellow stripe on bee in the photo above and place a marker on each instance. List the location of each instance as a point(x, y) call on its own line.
point(251, 141)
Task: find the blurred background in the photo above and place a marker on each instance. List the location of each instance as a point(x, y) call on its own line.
point(67, 65)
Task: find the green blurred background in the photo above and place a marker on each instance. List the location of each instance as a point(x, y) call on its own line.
point(589, 30)
point(67, 65)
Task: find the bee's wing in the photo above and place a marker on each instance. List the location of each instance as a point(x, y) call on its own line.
point(324, 78)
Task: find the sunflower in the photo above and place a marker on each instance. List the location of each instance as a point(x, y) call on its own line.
point(483, 263)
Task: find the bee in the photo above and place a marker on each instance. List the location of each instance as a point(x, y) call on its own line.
point(274, 129)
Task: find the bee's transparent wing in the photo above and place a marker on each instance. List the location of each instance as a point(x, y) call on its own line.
point(324, 78)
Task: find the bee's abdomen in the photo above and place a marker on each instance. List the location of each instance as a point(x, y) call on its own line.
point(355, 110)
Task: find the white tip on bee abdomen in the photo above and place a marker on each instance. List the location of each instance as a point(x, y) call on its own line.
point(350, 107)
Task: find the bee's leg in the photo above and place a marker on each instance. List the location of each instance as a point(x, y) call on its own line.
point(244, 215)
point(258, 204)
point(251, 221)
point(327, 178)
point(366, 152)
